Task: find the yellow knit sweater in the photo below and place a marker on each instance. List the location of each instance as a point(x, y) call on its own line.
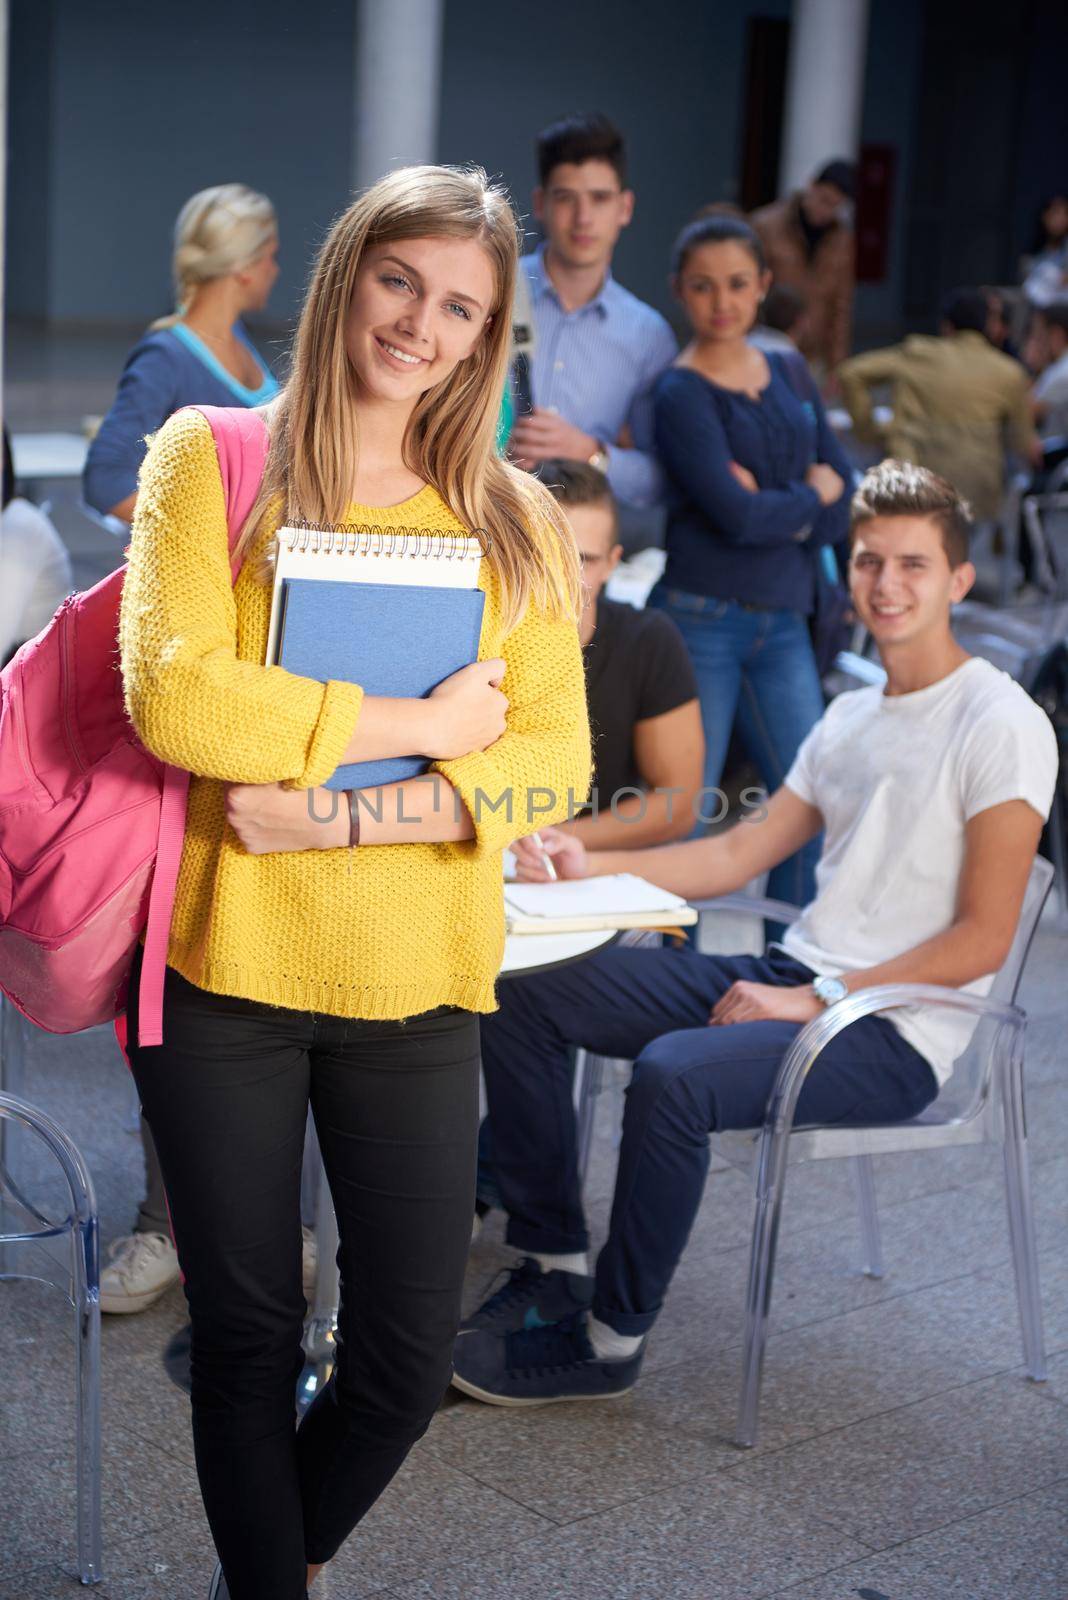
point(383, 931)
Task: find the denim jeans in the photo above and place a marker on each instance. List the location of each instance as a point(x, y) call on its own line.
point(755, 668)
point(652, 1006)
point(396, 1107)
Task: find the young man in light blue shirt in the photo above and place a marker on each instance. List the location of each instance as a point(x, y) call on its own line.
point(598, 349)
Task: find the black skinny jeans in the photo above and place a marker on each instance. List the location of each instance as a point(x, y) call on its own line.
point(396, 1109)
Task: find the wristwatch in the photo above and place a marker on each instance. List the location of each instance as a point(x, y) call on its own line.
point(599, 458)
point(829, 990)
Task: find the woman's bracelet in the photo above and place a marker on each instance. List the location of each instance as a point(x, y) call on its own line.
point(352, 795)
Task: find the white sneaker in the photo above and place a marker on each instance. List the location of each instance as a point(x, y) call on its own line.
point(141, 1267)
point(309, 1263)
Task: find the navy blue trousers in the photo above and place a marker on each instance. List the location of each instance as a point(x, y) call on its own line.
point(652, 1005)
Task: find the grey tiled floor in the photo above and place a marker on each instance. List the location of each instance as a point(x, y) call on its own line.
point(902, 1455)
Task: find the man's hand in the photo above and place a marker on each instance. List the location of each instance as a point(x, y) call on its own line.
point(543, 435)
point(568, 857)
point(743, 476)
point(765, 1002)
point(267, 817)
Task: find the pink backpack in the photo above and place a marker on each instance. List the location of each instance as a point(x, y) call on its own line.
point(92, 824)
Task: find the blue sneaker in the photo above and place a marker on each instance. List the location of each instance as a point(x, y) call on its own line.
point(538, 1365)
point(531, 1298)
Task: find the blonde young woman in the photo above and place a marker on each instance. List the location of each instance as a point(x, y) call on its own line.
point(302, 968)
point(224, 266)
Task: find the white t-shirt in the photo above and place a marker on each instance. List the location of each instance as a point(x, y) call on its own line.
point(896, 777)
point(34, 573)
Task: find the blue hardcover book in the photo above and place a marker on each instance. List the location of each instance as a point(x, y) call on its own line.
point(394, 639)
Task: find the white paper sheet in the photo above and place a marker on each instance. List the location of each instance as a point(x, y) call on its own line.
point(619, 894)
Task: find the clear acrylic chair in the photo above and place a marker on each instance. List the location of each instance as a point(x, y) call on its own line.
point(34, 1231)
point(982, 1103)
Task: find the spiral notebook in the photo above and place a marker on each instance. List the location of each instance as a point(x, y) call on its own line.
point(396, 610)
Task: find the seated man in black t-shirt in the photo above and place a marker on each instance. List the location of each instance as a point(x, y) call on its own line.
point(648, 743)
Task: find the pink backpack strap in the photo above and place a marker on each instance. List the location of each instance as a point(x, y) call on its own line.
point(241, 441)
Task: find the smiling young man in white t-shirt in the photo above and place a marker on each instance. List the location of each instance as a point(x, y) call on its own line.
point(931, 794)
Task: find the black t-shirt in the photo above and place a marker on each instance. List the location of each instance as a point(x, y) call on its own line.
point(637, 666)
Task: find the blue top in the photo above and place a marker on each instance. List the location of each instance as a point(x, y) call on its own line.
point(164, 371)
point(597, 366)
point(722, 540)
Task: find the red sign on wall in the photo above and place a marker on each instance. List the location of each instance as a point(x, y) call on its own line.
point(875, 200)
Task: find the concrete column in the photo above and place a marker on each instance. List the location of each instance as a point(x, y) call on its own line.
point(397, 85)
point(824, 87)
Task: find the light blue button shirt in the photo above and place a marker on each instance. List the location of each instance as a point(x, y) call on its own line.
point(596, 367)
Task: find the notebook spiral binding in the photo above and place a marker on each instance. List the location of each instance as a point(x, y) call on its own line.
point(367, 539)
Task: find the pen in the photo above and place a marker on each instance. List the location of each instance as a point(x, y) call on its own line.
point(546, 859)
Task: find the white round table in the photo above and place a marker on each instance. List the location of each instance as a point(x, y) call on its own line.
point(531, 952)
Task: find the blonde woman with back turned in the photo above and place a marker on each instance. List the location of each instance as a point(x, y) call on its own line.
point(303, 970)
point(225, 264)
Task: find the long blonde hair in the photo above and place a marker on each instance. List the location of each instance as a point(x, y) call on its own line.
point(218, 231)
point(451, 437)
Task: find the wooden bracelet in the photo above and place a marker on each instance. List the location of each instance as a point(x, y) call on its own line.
point(354, 817)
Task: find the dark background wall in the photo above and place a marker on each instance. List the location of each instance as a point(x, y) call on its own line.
point(675, 89)
point(120, 110)
point(134, 107)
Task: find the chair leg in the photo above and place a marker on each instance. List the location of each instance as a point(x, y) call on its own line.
point(871, 1242)
point(320, 1331)
point(589, 1079)
point(758, 1295)
point(1057, 846)
point(12, 1081)
point(85, 1249)
point(1024, 1252)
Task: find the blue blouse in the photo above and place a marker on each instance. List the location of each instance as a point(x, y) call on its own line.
point(164, 371)
point(723, 541)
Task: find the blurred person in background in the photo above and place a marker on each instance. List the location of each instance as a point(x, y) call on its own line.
point(34, 566)
point(1046, 277)
point(957, 403)
point(225, 265)
point(598, 349)
point(757, 485)
point(1049, 394)
point(809, 246)
point(780, 318)
point(999, 321)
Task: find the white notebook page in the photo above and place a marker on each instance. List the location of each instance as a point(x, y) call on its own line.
point(430, 560)
point(615, 894)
